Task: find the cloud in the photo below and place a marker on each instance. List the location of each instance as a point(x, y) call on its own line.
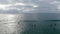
point(30, 6)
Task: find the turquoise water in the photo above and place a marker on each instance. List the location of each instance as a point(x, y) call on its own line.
point(42, 27)
point(31, 27)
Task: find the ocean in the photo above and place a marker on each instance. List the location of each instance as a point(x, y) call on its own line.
point(42, 27)
point(17, 24)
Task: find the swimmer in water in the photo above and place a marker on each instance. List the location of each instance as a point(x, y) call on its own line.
point(50, 25)
point(54, 24)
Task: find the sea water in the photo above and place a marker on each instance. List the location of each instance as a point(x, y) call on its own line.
point(15, 24)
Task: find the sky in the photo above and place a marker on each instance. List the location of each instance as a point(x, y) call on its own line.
point(34, 9)
point(29, 6)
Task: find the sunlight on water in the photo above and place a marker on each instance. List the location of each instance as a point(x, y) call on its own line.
point(16, 24)
point(9, 24)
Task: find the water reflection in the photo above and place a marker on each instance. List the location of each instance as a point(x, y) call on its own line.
point(16, 24)
point(8, 24)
